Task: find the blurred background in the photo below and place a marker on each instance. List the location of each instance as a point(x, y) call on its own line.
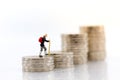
point(22, 22)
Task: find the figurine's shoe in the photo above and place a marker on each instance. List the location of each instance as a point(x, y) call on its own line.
point(40, 56)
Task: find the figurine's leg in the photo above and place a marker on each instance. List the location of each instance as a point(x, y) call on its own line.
point(45, 49)
point(41, 49)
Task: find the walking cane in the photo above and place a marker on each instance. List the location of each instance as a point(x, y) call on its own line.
point(49, 48)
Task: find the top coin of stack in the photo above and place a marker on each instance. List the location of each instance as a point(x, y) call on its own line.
point(62, 59)
point(76, 43)
point(37, 64)
point(96, 41)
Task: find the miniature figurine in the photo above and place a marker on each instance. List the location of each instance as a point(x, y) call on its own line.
point(42, 40)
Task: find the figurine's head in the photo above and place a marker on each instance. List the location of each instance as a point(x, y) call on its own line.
point(45, 35)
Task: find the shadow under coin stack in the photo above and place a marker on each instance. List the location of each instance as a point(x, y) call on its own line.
point(37, 64)
point(96, 40)
point(76, 43)
point(63, 59)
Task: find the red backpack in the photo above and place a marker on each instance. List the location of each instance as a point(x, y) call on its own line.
point(40, 39)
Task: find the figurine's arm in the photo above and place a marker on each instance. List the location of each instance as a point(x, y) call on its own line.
point(47, 40)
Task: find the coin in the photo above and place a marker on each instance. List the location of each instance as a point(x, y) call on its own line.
point(96, 42)
point(62, 59)
point(78, 44)
point(37, 64)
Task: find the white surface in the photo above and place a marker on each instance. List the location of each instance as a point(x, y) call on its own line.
point(102, 70)
point(23, 21)
point(82, 72)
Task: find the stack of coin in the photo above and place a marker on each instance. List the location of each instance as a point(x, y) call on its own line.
point(96, 40)
point(78, 44)
point(63, 59)
point(37, 64)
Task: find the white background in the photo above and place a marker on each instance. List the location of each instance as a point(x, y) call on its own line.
point(22, 22)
